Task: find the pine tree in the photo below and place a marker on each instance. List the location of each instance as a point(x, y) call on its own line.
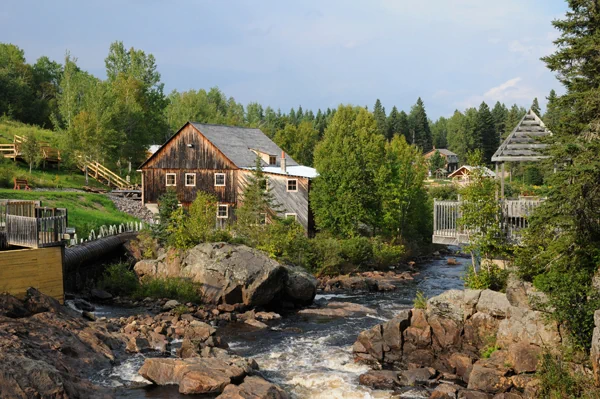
point(535, 107)
point(561, 248)
point(552, 115)
point(258, 204)
point(403, 128)
point(499, 113)
point(486, 132)
point(439, 133)
point(419, 126)
point(393, 124)
point(380, 118)
point(514, 116)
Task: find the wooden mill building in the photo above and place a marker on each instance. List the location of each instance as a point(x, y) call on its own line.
point(219, 159)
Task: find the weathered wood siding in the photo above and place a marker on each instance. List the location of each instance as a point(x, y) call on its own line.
point(202, 158)
point(155, 184)
point(39, 268)
point(289, 202)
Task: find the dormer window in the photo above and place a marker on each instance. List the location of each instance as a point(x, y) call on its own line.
point(272, 160)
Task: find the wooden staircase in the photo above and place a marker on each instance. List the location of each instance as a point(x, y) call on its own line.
point(13, 150)
point(102, 174)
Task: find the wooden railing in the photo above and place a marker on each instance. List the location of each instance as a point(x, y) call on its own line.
point(512, 220)
point(26, 224)
point(101, 173)
point(8, 150)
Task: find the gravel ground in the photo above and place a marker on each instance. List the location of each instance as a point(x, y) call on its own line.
point(134, 208)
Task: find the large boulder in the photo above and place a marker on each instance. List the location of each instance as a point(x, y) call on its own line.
point(232, 274)
point(339, 309)
point(379, 379)
point(300, 286)
point(493, 303)
point(196, 375)
point(479, 331)
point(528, 326)
point(253, 387)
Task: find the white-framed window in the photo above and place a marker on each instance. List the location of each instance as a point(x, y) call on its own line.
point(171, 179)
point(219, 179)
point(291, 216)
point(190, 179)
point(222, 211)
point(292, 185)
point(272, 160)
point(262, 218)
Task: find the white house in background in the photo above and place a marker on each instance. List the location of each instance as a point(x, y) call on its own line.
point(462, 175)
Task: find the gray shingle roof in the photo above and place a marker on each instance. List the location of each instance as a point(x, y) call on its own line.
point(523, 143)
point(237, 143)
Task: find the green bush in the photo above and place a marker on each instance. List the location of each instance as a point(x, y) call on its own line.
point(286, 241)
point(533, 176)
point(385, 254)
point(357, 251)
point(326, 254)
point(445, 192)
point(559, 381)
point(180, 289)
point(420, 301)
point(146, 244)
point(489, 276)
point(119, 279)
point(487, 351)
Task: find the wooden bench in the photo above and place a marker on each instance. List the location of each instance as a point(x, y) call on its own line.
point(21, 183)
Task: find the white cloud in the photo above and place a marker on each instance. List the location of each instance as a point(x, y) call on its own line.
point(514, 90)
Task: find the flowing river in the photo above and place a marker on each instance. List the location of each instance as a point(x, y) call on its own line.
point(309, 357)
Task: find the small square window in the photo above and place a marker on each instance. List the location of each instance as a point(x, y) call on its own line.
point(291, 216)
point(219, 179)
point(272, 160)
point(292, 185)
point(171, 179)
point(223, 211)
point(262, 218)
point(190, 179)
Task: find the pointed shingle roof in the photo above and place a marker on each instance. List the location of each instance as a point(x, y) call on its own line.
point(523, 143)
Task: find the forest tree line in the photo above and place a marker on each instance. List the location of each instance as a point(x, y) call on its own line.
point(115, 120)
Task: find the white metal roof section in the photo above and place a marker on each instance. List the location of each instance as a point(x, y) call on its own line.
point(523, 143)
point(153, 148)
point(298, 171)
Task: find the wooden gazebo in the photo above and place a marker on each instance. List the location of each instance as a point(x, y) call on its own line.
point(522, 144)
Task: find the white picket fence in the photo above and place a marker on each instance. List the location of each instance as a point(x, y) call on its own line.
point(105, 231)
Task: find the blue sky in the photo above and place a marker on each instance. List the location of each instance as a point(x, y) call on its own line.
point(318, 54)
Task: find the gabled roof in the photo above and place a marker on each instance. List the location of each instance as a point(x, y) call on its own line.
point(486, 171)
point(236, 143)
point(442, 151)
point(523, 143)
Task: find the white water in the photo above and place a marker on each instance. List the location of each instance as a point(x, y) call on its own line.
point(311, 358)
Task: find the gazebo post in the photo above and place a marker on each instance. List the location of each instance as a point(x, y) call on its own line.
point(502, 182)
point(497, 177)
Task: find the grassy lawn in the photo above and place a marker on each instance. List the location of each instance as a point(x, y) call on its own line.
point(8, 130)
point(43, 178)
point(86, 211)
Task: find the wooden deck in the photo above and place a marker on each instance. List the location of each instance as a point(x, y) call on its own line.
point(102, 174)
point(513, 219)
point(27, 224)
point(13, 151)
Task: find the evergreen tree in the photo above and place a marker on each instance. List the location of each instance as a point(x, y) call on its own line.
point(486, 133)
point(380, 118)
point(562, 246)
point(439, 133)
point(552, 115)
point(535, 107)
point(419, 126)
point(499, 114)
point(393, 124)
point(320, 122)
point(514, 116)
point(258, 205)
point(403, 128)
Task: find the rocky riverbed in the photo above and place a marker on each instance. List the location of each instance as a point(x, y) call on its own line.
point(241, 349)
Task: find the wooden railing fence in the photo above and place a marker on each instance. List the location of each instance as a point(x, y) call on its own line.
point(512, 219)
